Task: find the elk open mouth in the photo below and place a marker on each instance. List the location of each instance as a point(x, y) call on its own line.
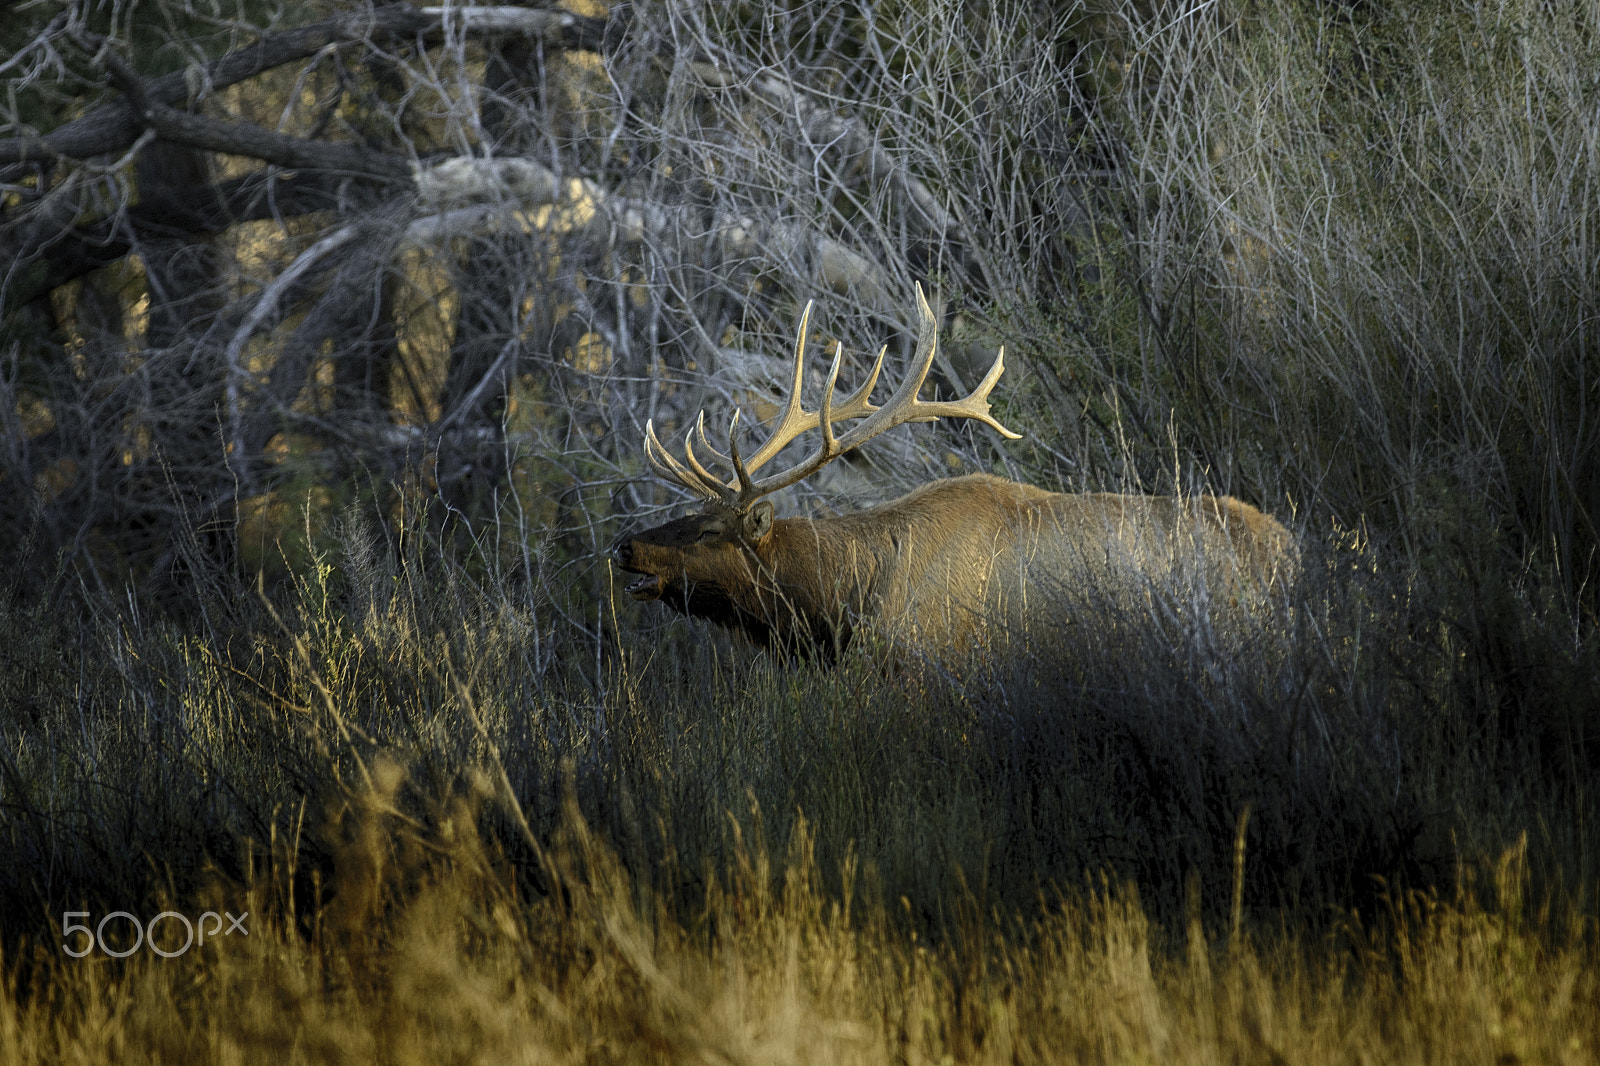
point(646, 587)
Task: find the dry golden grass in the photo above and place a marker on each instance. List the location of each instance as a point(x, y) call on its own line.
point(427, 951)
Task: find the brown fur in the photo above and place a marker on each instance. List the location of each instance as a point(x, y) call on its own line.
point(951, 565)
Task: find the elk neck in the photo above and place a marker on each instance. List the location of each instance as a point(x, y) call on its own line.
point(814, 579)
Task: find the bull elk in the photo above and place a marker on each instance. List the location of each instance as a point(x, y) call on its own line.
point(948, 568)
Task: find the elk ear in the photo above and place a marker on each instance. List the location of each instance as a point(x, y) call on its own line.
point(758, 523)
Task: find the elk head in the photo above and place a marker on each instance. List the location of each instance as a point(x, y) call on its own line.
point(732, 561)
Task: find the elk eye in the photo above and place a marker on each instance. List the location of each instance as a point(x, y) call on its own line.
point(708, 533)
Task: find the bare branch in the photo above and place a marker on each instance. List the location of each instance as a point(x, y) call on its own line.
point(114, 127)
point(576, 31)
point(612, 219)
point(863, 151)
point(94, 243)
point(266, 306)
point(238, 137)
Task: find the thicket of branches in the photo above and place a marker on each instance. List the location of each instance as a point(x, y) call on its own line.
point(250, 252)
point(403, 244)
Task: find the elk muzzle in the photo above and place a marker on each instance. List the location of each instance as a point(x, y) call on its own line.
point(647, 586)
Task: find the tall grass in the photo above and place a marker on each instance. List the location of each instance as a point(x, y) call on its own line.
point(433, 945)
point(1350, 270)
point(687, 852)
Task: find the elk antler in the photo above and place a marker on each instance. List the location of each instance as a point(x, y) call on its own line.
point(901, 407)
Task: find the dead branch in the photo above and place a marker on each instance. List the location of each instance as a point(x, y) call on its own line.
point(239, 137)
point(581, 206)
point(114, 126)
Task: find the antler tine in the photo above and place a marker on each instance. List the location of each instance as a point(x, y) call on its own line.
point(975, 406)
point(825, 413)
point(904, 406)
point(829, 448)
point(700, 432)
point(723, 489)
point(669, 469)
point(795, 421)
point(901, 407)
point(747, 491)
point(661, 462)
point(859, 403)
